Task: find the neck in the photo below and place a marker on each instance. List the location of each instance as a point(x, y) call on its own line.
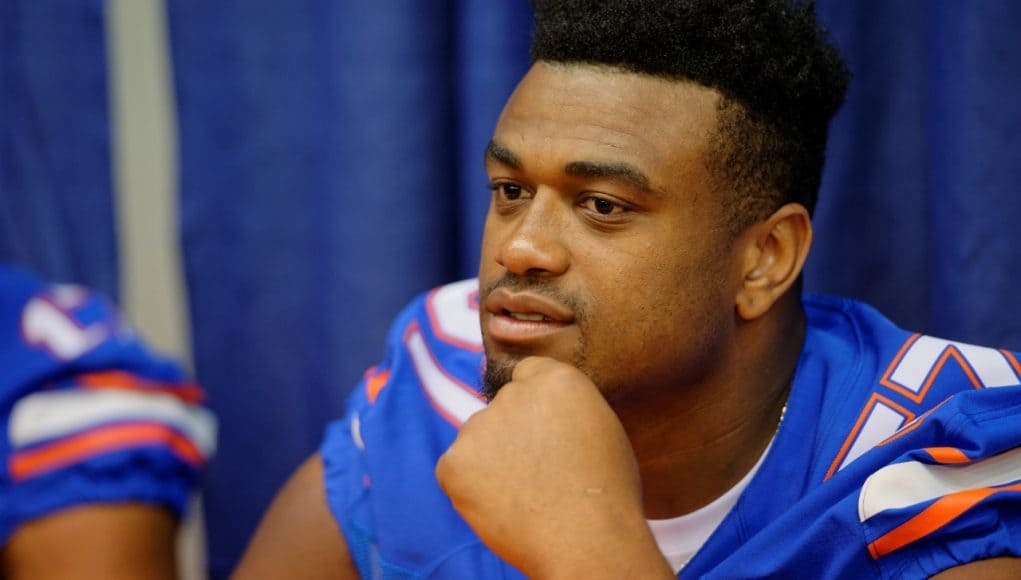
point(694, 442)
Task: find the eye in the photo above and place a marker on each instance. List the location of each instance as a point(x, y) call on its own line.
point(603, 206)
point(506, 191)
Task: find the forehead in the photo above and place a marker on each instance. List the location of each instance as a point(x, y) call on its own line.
point(568, 112)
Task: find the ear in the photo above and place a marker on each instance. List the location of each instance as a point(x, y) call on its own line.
point(774, 252)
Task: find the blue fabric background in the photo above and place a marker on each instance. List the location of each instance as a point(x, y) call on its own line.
point(56, 208)
point(922, 193)
point(331, 169)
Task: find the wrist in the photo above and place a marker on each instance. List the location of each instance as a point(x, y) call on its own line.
point(624, 549)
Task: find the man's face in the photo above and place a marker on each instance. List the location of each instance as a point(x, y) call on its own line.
point(603, 246)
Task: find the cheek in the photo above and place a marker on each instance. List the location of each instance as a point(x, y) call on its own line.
point(655, 300)
point(631, 300)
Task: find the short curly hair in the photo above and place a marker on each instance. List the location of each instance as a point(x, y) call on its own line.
point(780, 77)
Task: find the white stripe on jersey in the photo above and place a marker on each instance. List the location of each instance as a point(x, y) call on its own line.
point(904, 484)
point(454, 315)
point(882, 422)
point(990, 366)
point(455, 400)
point(48, 415)
point(356, 432)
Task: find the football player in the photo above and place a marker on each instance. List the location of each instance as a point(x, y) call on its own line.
point(661, 397)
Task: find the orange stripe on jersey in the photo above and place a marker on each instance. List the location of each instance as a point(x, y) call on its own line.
point(949, 351)
point(375, 380)
point(856, 429)
point(947, 455)
point(965, 366)
point(1013, 361)
point(188, 392)
point(33, 462)
point(885, 379)
point(943, 511)
point(914, 424)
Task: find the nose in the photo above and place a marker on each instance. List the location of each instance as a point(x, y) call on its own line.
point(534, 242)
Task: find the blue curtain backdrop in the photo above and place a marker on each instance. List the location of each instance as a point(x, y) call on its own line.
point(331, 169)
point(922, 193)
point(56, 209)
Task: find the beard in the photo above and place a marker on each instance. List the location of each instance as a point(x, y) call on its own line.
point(495, 376)
point(498, 371)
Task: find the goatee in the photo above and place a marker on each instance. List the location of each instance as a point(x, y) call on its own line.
point(495, 376)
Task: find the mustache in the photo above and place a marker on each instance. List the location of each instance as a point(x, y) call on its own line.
point(543, 286)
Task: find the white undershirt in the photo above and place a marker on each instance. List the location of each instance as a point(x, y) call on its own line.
point(679, 538)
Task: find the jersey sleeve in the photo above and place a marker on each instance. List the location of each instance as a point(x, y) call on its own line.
point(89, 413)
point(379, 460)
point(944, 491)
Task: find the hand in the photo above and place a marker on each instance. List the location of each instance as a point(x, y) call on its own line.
point(546, 477)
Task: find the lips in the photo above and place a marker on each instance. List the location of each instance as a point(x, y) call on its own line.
point(524, 317)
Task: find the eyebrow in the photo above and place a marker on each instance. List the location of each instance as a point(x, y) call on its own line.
point(620, 171)
point(498, 152)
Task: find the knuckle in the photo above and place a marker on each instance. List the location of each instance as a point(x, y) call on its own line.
point(447, 467)
point(532, 365)
point(509, 392)
point(524, 368)
point(442, 471)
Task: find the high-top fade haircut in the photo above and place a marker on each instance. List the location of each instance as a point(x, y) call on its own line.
point(780, 78)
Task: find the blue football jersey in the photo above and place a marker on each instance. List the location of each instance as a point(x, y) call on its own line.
point(899, 455)
point(89, 414)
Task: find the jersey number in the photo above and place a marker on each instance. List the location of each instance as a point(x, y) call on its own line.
point(47, 322)
point(910, 375)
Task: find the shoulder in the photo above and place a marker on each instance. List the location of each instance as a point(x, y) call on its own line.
point(91, 414)
point(909, 363)
point(48, 330)
point(943, 491)
point(879, 377)
point(432, 362)
point(427, 384)
point(914, 448)
point(379, 460)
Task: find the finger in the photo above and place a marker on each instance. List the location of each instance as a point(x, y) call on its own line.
point(452, 460)
point(531, 366)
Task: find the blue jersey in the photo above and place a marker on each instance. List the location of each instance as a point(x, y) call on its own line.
point(899, 455)
point(88, 413)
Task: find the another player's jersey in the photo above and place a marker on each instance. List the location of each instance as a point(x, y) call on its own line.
point(88, 413)
point(898, 455)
